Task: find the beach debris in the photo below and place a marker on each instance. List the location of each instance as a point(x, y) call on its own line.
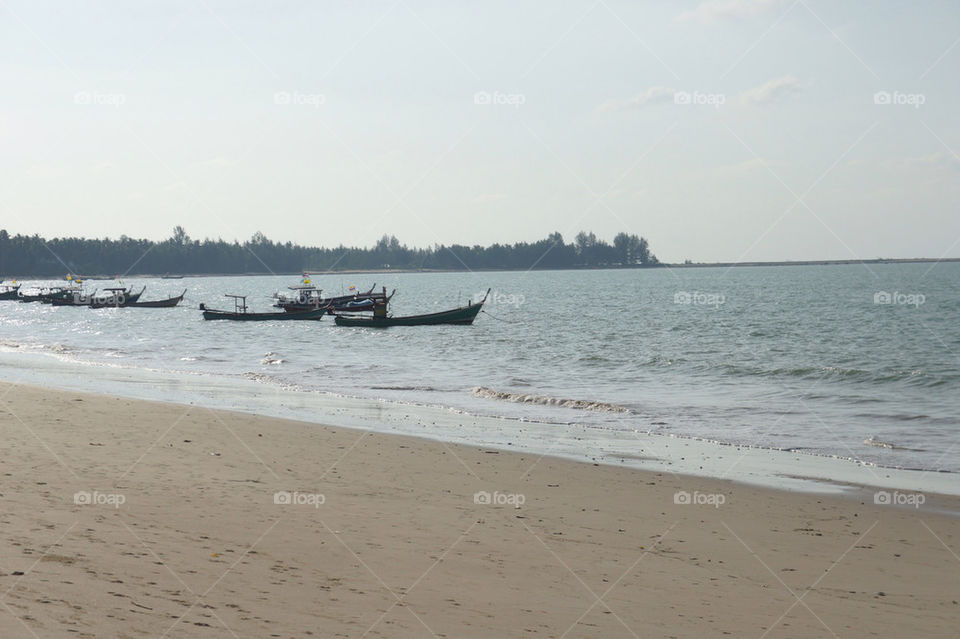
point(214, 453)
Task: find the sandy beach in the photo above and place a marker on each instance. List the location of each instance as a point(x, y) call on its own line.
point(126, 518)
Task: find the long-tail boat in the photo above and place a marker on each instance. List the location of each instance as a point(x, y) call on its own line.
point(463, 315)
point(48, 293)
point(242, 314)
point(310, 297)
point(74, 298)
point(116, 298)
point(9, 291)
point(167, 303)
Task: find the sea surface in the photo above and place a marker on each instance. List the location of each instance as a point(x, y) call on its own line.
point(858, 363)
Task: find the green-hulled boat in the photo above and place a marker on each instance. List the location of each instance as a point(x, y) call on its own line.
point(9, 291)
point(463, 315)
point(241, 314)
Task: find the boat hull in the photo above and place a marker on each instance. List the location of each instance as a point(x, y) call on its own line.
point(212, 314)
point(168, 303)
point(462, 316)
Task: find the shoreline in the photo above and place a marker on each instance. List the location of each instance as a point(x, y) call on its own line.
point(672, 453)
point(135, 518)
point(638, 267)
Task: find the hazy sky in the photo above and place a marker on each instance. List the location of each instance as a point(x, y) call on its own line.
point(719, 130)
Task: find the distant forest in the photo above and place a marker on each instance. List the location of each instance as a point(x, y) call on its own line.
point(25, 256)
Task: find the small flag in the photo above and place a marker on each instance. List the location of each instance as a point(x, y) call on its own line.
point(353, 288)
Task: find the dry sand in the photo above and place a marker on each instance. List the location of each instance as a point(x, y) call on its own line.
point(399, 548)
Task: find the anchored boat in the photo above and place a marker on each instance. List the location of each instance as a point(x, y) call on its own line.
point(242, 314)
point(167, 303)
point(310, 297)
point(9, 291)
point(116, 298)
point(463, 315)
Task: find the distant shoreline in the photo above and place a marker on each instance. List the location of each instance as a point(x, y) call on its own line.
point(908, 260)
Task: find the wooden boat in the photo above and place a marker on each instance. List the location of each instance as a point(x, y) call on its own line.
point(77, 298)
point(167, 303)
point(46, 295)
point(240, 313)
point(463, 315)
point(309, 297)
point(116, 298)
point(9, 292)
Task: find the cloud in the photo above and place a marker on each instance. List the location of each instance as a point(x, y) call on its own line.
point(772, 91)
point(653, 95)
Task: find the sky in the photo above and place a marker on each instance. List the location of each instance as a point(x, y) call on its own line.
point(723, 130)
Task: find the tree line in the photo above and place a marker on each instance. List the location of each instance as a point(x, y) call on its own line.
point(32, 255)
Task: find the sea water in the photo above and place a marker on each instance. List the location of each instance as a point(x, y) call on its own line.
point(855, 364)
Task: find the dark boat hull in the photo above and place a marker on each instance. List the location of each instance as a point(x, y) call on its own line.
point(168, 303)
point(12, 294)
point(57, 301)
point(212, 314)
point(464, 315)
point(128, 299)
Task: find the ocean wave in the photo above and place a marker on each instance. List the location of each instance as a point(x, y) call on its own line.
point(522, 398)
point(58, 348)
point(871, 441)
point(260, 377)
